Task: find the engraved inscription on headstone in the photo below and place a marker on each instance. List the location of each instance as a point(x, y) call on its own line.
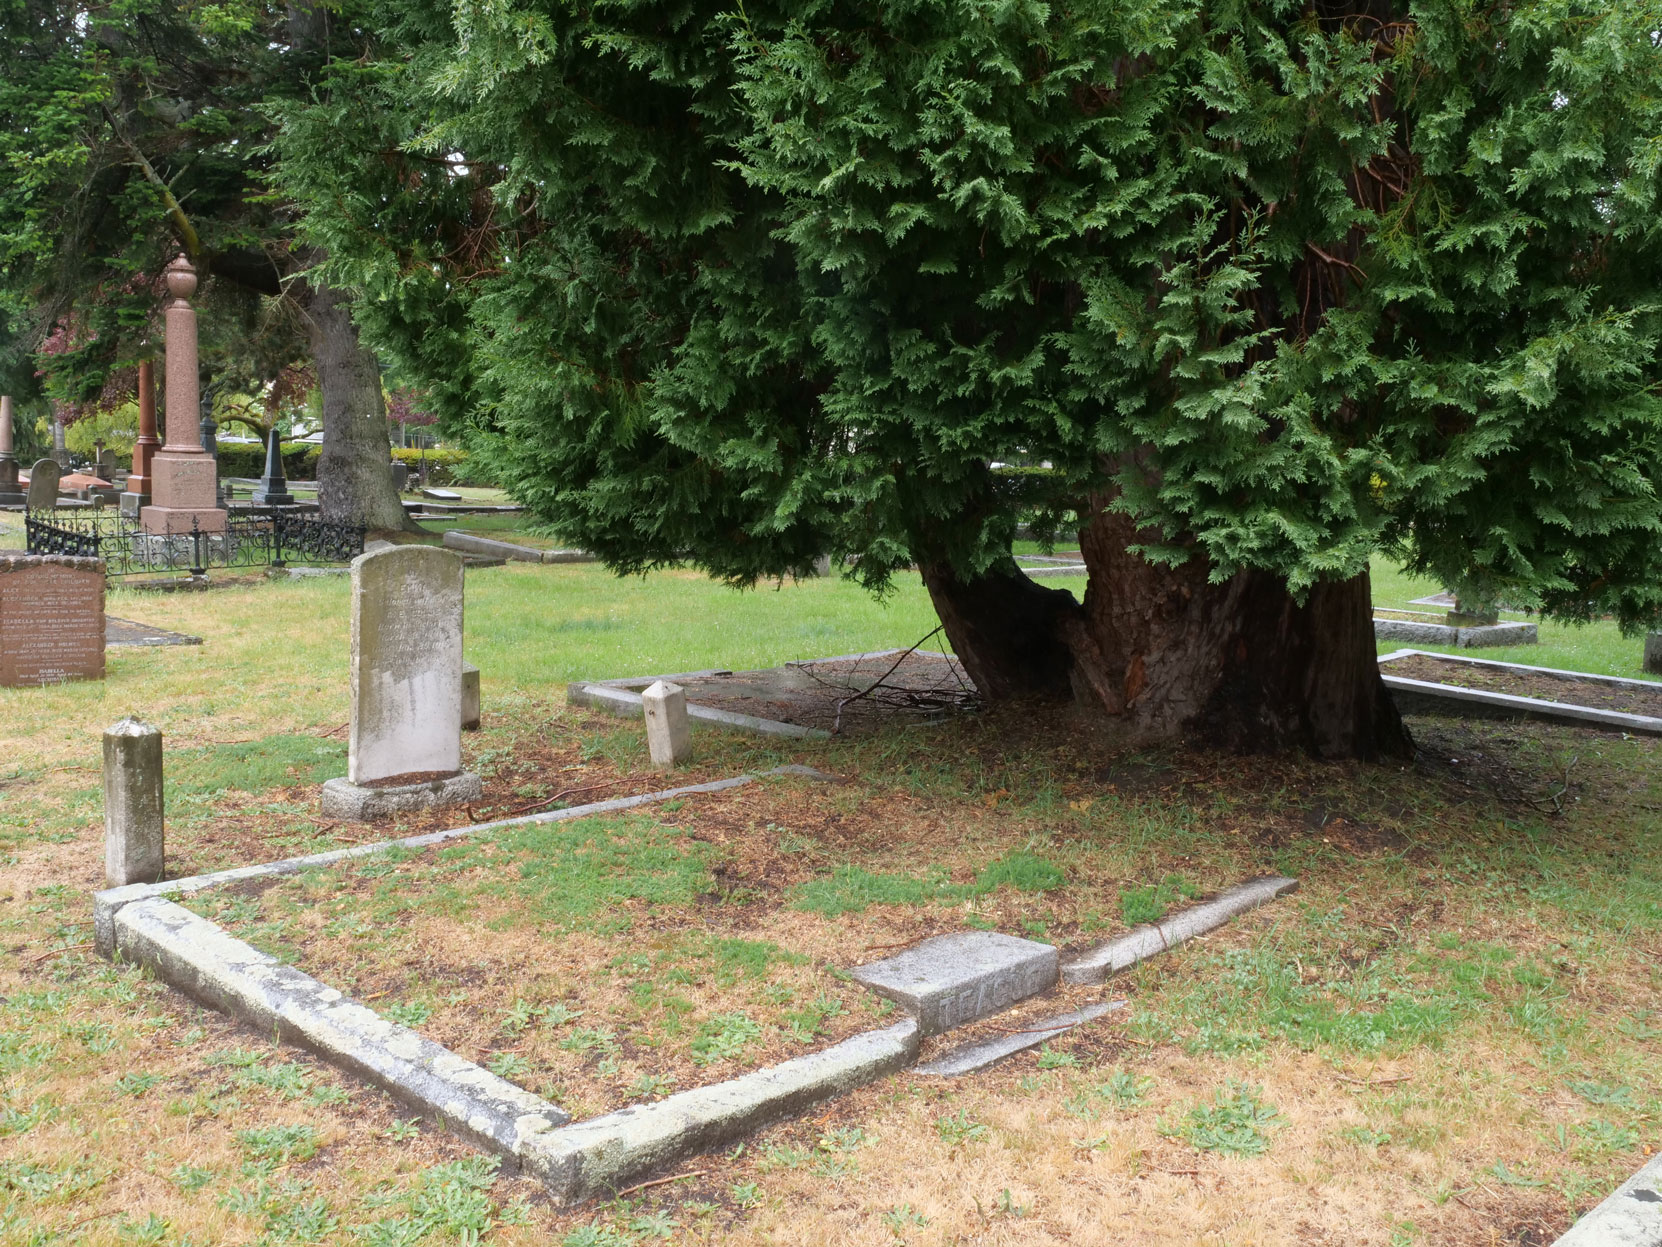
point(51, 619)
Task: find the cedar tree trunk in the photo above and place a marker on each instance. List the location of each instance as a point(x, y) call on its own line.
point(354, 484)
point(1239, 664)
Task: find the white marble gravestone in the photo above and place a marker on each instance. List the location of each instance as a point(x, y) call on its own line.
point(405, 746)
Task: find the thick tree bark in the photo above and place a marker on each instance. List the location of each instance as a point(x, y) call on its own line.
point(1239, 664)
point(354, 482)
point(1007, 631)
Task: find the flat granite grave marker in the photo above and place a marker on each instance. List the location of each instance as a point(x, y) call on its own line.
point(405, 747)
point(953, 980)
point(51, 619)
point(43, 485)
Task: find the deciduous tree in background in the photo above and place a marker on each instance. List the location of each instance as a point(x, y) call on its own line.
point(132, 131)
point(1275, 287)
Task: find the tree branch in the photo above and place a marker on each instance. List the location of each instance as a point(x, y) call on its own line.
point(181, 223)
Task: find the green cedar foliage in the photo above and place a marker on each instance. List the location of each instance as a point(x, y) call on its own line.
point(1292, 283)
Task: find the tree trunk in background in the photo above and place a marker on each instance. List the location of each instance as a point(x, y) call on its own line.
point(1006, 630)
point(354, 482)
point(1238, 664)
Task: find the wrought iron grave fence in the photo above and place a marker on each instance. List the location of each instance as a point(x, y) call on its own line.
point(269, 539)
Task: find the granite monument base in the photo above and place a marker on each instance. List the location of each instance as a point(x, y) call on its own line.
point(344, 799)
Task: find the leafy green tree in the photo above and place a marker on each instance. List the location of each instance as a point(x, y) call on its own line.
point(1273, 287)
point(135, 130)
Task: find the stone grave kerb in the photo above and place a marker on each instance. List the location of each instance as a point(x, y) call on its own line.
point(407, 607)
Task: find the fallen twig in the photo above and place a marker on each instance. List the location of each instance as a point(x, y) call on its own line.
point(836, 726)
point(1373, 1082)
point(335, 731)
point(58, 952)
point(565, 792)
point(680, 1177)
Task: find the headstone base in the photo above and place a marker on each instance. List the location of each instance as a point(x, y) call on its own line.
point(344, 799)
point(177, 521)
point(12, 498)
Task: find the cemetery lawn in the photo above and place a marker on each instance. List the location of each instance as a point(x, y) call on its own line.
point(1448, 1035)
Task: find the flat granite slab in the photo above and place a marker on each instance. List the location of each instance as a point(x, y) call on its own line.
point(130, 632)
point(952, 980)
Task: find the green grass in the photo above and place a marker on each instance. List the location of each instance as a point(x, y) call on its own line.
point(1597, 647)
point(852, 889)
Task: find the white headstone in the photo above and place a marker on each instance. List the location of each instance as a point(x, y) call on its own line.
point(406, 664)
point(668, 731)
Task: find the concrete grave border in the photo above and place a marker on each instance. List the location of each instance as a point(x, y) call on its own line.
point(144, 924)
point(1630, 1216)
point(621, 696)
point(1446, 698)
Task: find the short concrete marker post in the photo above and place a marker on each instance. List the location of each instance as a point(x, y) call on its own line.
point(668, 730)
point(470, 697)
point(133, 837)
point(953, 980)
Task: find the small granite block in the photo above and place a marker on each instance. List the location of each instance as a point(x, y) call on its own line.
point(344, 799)
point(953, 980)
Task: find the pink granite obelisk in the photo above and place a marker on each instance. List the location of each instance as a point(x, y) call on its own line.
point(182, 474)
point(144, 450)
point(10, 494)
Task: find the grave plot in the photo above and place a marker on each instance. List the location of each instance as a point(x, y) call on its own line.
point(1446, 684)
point(853, 694)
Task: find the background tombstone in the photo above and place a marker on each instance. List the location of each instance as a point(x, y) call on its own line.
point(43, 485)
point(11, 493)
point(470, 697)
point(184, 483)
point(1653, 653)
point(51, 619)
point(137, 494)
point(134, 850)
point(405, 744)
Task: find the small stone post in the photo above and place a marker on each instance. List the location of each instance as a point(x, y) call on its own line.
point(668, 730)
point(11, 494)
point(133, 851)
point(1653, 653)
point(470, 697)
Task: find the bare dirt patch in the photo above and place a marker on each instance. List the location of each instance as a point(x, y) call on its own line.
point(847, 696)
